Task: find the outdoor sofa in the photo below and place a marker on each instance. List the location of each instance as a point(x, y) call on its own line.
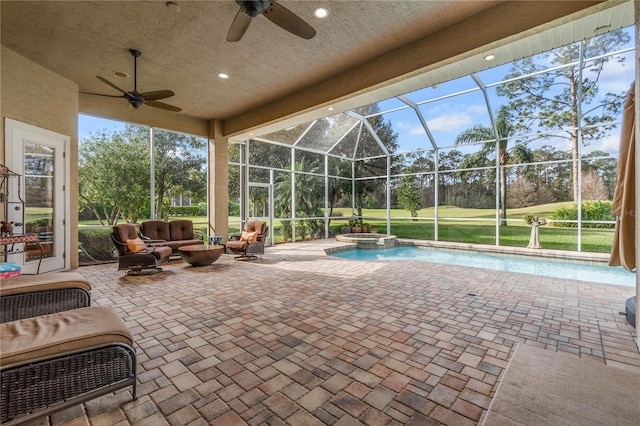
point(175, 233)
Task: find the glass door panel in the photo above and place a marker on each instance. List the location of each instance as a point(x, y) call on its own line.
point(39, 198)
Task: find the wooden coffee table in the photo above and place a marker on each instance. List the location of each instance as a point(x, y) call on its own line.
point(200, 254)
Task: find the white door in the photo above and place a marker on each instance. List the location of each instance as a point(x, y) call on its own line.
point(39, 156)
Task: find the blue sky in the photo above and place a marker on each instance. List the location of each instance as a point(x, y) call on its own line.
point(88, 124)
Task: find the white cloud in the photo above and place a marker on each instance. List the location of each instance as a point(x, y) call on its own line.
point(417, 130)
point(477, 109)
point(610, 144)
point(411, 129)
point(616, 77)
point(449, 122)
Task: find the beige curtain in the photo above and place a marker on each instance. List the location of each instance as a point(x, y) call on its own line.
point(623, 252)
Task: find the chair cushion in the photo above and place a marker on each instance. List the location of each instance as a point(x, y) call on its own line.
point(43, 282)
point(49, 336)
point(123, 232)
point(136, 245)
point(237, 245)
point(181, 229)
point(258, 226)
point(156, 230)
point(161, 252)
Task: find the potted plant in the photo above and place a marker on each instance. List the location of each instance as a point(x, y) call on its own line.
point(356, 226)
point(373, 229)
point(365, 227)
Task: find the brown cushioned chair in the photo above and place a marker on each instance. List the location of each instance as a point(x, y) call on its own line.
point(248, 248)
point(151, 254)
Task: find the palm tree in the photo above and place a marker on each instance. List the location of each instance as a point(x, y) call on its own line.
point(479, 133)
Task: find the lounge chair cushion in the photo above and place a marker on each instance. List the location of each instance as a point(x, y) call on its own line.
point(43, 282)
point(49, 336)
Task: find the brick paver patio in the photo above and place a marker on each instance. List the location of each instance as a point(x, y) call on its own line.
point(299, 338)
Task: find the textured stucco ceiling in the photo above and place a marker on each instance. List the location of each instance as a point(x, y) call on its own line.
point(184, 51)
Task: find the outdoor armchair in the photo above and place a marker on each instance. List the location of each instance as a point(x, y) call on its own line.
point(136, 254)
point(249, 243)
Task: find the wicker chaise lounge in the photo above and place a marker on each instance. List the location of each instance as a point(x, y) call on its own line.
point(56, 361)
point(28, 296)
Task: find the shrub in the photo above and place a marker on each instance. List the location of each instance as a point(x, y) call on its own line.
point(186, 211)
point(97, 245)
point(234, 209)
point(591, 210)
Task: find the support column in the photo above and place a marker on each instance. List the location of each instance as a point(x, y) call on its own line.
point(637, 119)
point(218, 181)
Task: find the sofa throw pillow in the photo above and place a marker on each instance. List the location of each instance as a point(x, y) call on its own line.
point(136, 245)
point(249, 236)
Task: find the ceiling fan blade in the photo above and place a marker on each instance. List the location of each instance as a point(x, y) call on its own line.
point(238, 26)
point(107, 82)
point(100, 94)
point(289, 21)
point(162, 105)
point(157, 95)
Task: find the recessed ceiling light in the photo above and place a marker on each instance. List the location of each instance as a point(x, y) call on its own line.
point(223, 75)
point(120, 74)
point(330, 109)
point(173, 6)
point(321, 12)
point(490, 57)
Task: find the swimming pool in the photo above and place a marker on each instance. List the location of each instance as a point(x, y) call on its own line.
point(546, 267)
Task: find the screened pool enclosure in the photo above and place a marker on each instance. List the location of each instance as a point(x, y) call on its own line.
point(472, 157)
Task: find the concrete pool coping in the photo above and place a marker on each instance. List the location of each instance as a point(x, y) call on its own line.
point(565, 255)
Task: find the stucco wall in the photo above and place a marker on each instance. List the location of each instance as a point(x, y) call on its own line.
point(31, 94)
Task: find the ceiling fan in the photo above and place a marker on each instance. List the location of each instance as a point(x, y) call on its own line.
point(276, 13)
point(135, 98)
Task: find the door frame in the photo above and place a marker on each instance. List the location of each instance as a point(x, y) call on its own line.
point(11, 150)
point(269, 186)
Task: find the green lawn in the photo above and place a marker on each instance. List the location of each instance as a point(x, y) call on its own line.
point(451, 228)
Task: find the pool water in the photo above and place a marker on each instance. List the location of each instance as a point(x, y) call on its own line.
point(546, 267)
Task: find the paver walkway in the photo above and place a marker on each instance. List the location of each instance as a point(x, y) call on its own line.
point(299, 338)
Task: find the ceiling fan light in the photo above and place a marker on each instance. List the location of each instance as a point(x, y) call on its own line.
point(321, 12)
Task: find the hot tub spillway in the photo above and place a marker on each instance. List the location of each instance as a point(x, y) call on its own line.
point(368, 240)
